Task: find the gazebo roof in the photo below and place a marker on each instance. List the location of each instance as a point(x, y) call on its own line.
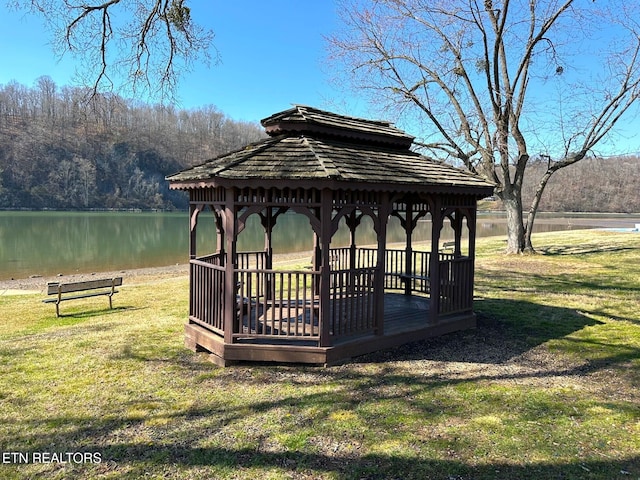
point(309, 145)
point(309, 120)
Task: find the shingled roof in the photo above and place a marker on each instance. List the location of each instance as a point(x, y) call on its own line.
point(309, 120)
point(311, 145)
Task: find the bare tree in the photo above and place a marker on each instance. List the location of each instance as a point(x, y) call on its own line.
point(46, 90)
point(497, 82)
point(142, 46)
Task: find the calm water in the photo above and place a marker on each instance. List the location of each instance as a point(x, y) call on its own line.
point(48, 243)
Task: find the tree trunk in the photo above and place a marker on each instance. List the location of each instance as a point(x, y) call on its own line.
point(534, 208)
point(515, 226)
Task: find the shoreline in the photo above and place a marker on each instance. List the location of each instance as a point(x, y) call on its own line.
point(23, 265)
point(38, 284)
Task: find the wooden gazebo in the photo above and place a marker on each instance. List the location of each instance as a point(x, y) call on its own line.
point(351, 300)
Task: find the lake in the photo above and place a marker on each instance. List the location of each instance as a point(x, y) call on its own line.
point(49, 243)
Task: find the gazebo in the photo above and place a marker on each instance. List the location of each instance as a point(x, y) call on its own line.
point(350, 300)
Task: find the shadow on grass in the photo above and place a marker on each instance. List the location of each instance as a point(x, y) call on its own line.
point(170, 459)
point(96, 312)
point(371, 467)
point(505, 329)
point(564, 283)
point(582, 249)
point(169, 444)
point(391, 467)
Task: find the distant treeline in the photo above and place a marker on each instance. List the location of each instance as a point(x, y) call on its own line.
point(62, 149)
point(592, 185)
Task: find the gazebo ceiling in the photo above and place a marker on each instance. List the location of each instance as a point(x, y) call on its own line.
point(310, 145)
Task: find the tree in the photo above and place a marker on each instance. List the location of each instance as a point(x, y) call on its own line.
point(499, 82)
point(143, 45)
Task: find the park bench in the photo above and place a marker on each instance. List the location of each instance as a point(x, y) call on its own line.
point(86, 289)
point(425, 282)
point(448, 246)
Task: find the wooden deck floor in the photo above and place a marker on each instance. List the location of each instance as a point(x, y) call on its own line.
point(405, 312)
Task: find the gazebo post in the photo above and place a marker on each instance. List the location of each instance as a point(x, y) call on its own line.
point(408, 261)
point(434, 267)
point(326, 209)
point(471, 225)
point(229, 277)
point(456, 223)
point(316, 260)
point(194, 211)
point(384, 210)
point(267, 221)
point(352, 220)
point(219, 230)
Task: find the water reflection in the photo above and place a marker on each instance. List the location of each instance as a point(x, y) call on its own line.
point(48, 243)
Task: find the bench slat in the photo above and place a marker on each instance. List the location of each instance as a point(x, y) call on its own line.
point(84, 295)
point(52, 288)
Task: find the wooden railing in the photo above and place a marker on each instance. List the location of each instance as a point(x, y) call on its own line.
point(366, 257)
point(456, 285)
point(395, 268)
point(277, 304)
point(213, 259)
point(284, 304)
point(247, 260)
point(351, 304)
point(242, 260)
point(339, 258)
point(206, 301)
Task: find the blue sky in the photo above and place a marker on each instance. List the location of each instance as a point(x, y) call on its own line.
point(273, 54)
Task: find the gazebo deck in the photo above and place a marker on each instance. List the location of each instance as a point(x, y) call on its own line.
point(406, 319)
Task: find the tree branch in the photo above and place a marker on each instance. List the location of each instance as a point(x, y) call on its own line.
point(144, 45)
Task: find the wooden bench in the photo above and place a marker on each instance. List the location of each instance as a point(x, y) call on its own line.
point(90, 288)
point(407, 279)
point(448, 246)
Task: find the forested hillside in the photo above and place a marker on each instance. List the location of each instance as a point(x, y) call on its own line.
point(60, 150)
point(591, 185)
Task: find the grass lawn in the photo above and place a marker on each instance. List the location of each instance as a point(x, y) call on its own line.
point(547, 386)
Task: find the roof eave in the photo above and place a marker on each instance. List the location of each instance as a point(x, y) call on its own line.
point(478, 191)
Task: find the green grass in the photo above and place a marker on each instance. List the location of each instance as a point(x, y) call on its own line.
point(546, 386)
